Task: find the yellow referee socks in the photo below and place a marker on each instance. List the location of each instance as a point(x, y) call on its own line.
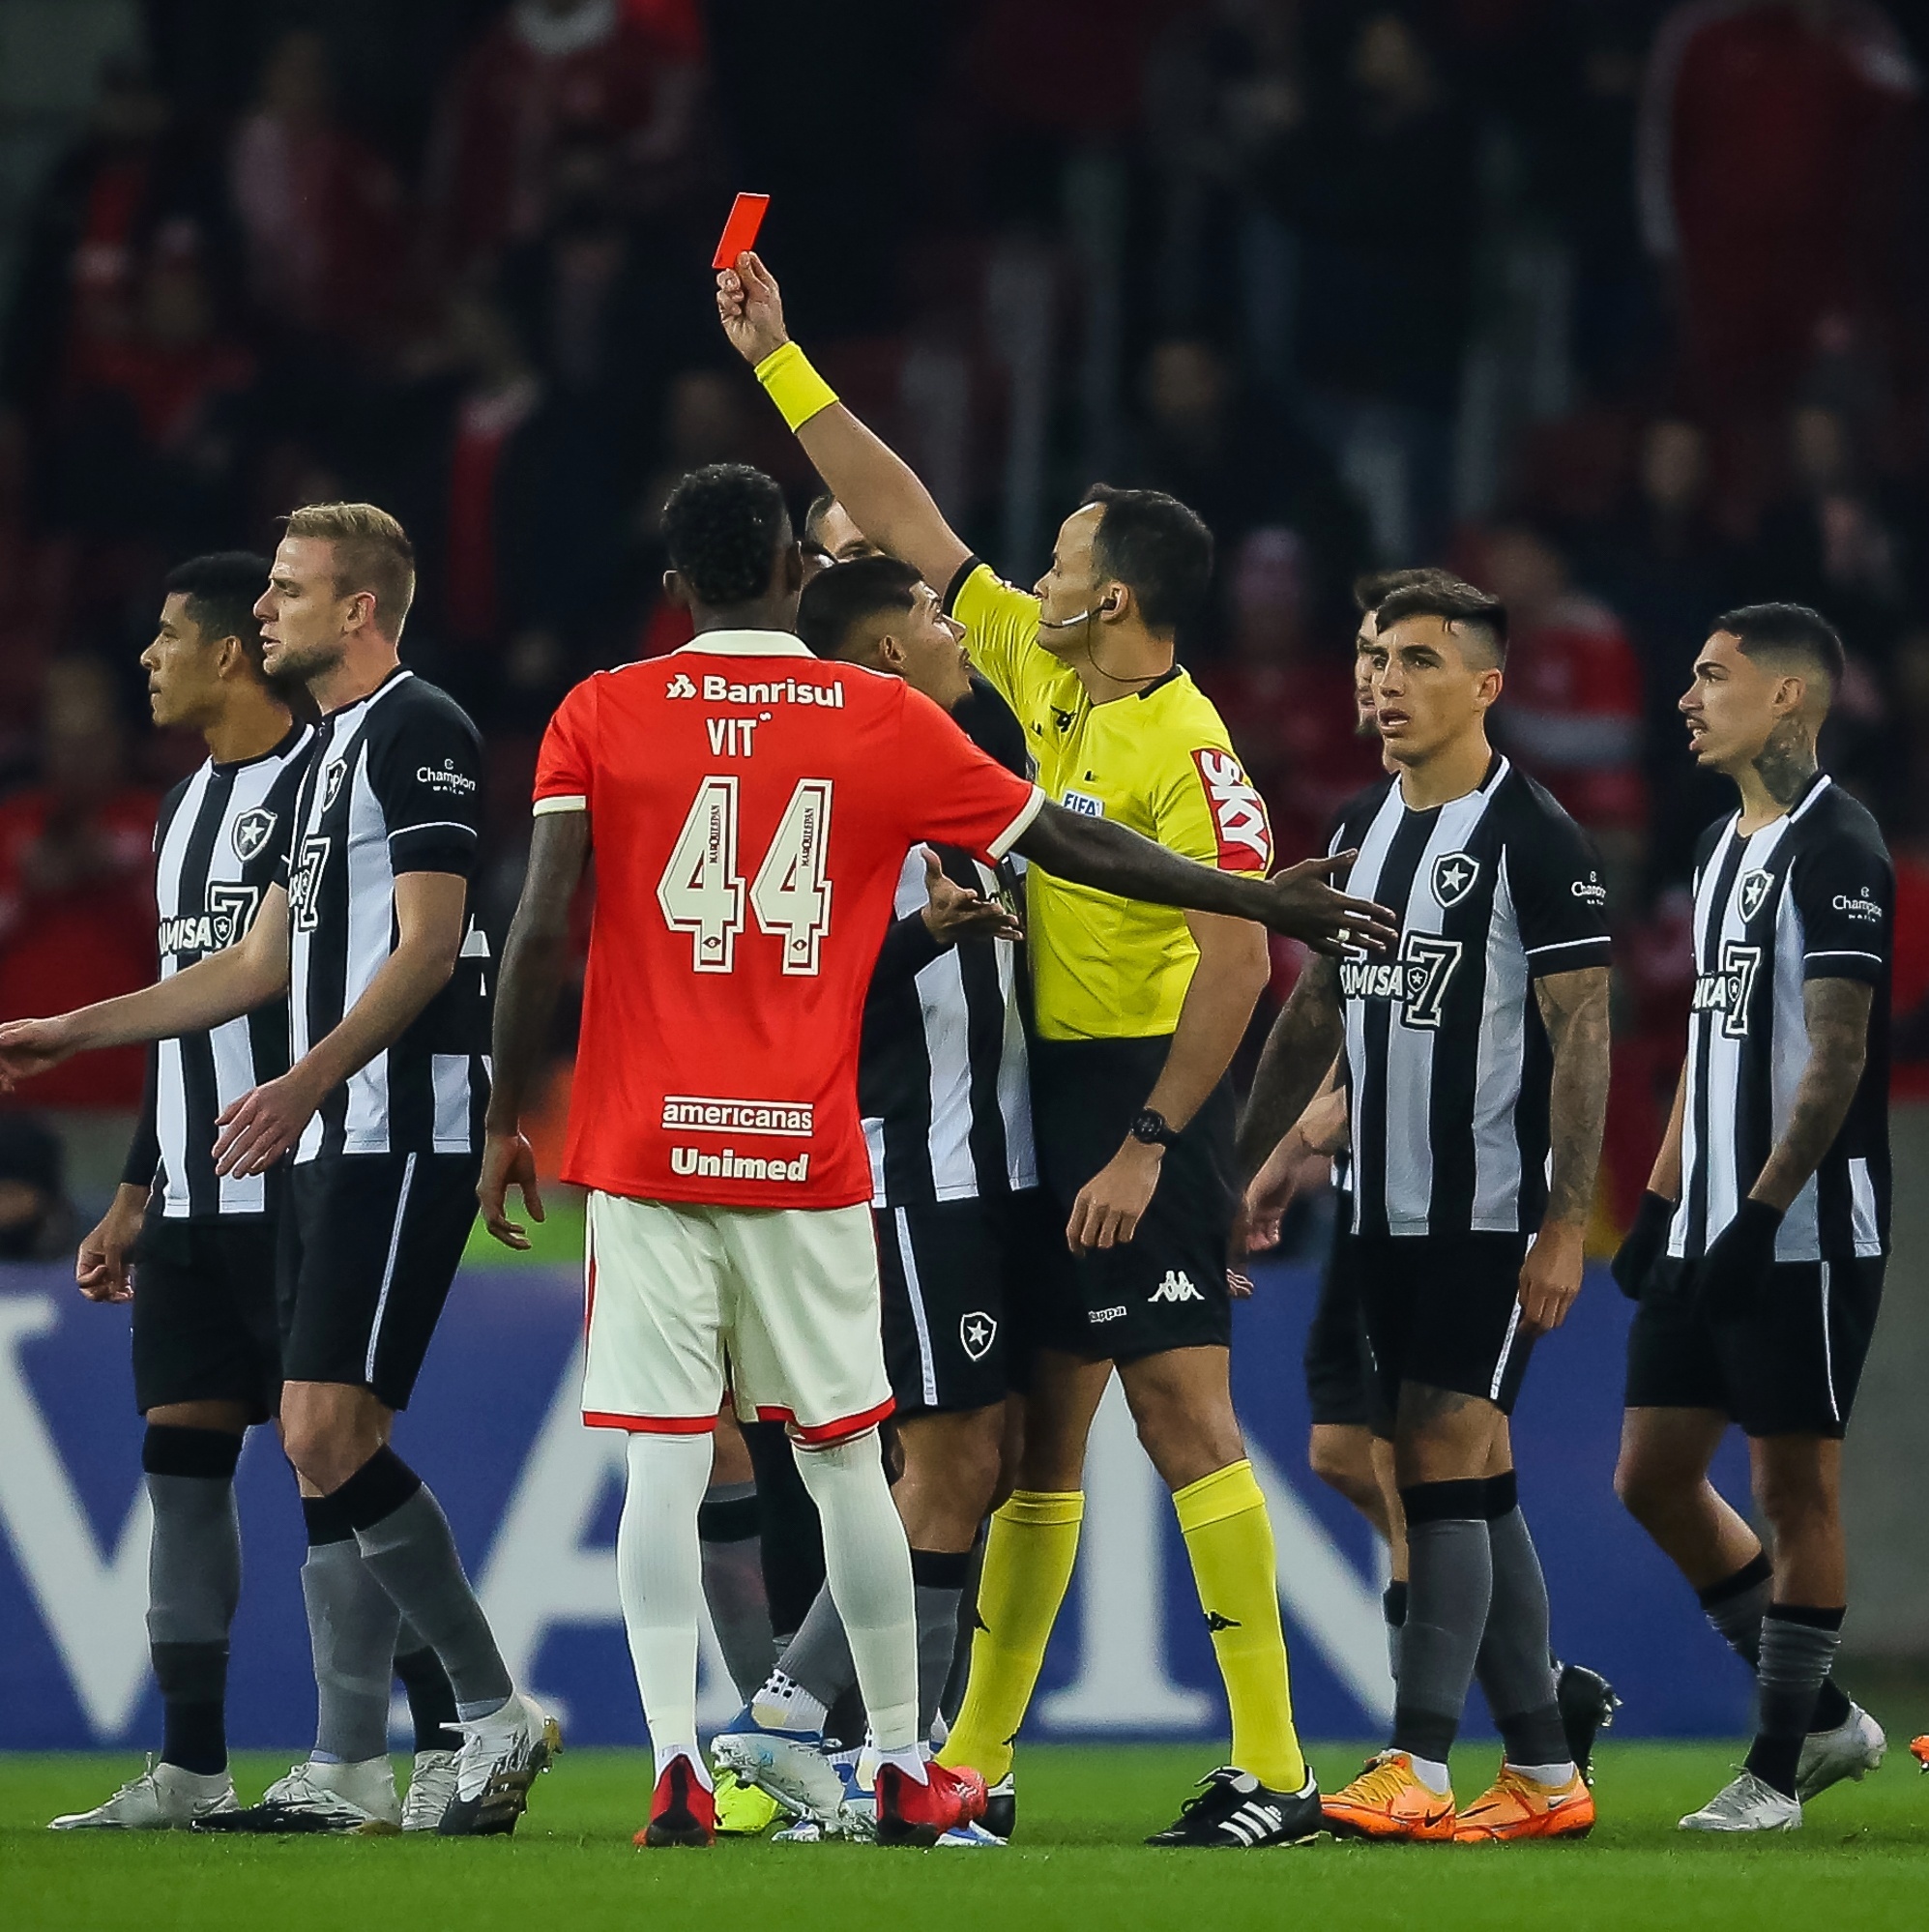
point(1229, 1537)
point(1028, 1558)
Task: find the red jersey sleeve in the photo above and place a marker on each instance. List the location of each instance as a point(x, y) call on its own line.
point(957, 794)
point(564, 767)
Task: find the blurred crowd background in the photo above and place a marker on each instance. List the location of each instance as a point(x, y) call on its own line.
point(1619, 306)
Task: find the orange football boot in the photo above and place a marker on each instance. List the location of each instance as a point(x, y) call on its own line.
point(1515, 1806)
point(1387, 1803)
point(1919, 1746)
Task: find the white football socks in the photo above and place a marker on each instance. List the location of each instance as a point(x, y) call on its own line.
point(867, 1564)
point(659, 1582)
point(784, 1705)
point(1431, 1774)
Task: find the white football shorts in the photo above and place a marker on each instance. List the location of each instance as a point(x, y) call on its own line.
point(779, 1304)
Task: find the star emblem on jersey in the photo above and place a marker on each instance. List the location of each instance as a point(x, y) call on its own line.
point(252, 831)
point(977, 1331)
point(1753, 891)
point(1453, 876)
point(332, 782)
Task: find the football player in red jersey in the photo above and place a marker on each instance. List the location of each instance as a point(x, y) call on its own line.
point(749, 807)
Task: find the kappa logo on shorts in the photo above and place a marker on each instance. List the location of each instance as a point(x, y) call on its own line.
point(1112, 1314)
point(1453, 877)
point(1176, 1287)
point(252, 830)
point(976, 1332)
point(1754, 891)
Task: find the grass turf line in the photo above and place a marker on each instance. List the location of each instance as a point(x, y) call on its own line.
point(1862, 1860)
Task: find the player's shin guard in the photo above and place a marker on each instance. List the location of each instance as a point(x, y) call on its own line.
point(733, 1583)
point(1513, 1666)
point(867, 1565)
point(1798, 1646)
point(193, 1584)
point(1735, 1605)
point(1450, 1586)
point(352, 1632)
point(1027, 1557)
point(660, 1581)
point(1229, 1537)
point(405, 1540)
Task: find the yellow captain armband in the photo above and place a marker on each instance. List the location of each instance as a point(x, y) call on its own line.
point(799, 391)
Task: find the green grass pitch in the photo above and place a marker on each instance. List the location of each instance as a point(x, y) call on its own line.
point(1861, 1862)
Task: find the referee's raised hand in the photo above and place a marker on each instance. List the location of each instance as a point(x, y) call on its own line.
point(1306, 908)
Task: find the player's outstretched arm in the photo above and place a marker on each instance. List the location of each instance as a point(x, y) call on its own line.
point(881, 492)
point(1293, 1064)
point(221, 987)
point(1303, 1158)
point(431, 921)
point(1296, 901)
point(535, 957)
point(1574, 1010)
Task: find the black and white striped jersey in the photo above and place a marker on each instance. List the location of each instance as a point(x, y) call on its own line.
point(942, 1079)
point(1810, 896)
point(1447, 1058)
point(393, 785)
point(219, 845)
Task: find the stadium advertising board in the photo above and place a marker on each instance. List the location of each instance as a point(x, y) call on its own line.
point(534, 1499)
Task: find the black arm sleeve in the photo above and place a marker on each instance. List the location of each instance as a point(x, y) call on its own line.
point(908, 948)
point(143, 1160)
point(1845, 892)
point(428, 777)
point(1555, 875)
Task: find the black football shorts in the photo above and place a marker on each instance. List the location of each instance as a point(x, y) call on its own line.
point(1788, 1367)
point(204, 1317)
point(1444, 1311)
point(369, 1246)
point(1336, 1360)
point(1166, 1287)
point(959, 1278)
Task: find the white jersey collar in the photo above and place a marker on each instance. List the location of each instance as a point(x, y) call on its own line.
point(745, 644)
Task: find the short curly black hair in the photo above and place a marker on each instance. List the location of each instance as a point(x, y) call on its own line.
point(724, 526)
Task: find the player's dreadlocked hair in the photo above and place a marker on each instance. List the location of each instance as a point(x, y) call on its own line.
point(724, 526)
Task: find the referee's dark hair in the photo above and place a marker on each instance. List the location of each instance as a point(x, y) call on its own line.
point(724, 527)
point(1157, 547)
point(837, 603)
point(1453, 600)
point(1788, 631)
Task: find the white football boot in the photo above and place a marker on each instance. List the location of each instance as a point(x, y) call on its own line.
point(1750, 1804)
point(432, 1785)
point(502, 1755)
point(352, 1800)
point(1853, 1749)
point(163, 1798)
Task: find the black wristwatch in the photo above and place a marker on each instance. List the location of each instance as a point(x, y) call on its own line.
point(1150, 1125)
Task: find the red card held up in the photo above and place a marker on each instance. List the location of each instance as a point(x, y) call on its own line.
point(739, 232)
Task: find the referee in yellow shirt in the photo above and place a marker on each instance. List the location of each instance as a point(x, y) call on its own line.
point(1138, 1012)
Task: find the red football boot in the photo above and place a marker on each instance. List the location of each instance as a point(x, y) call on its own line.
point(683, 1811)
point(910, 1813)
